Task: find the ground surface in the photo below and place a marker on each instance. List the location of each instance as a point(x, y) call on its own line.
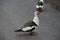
point(13, 12)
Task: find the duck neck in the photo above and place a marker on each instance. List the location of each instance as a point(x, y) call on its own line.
point(36, 20)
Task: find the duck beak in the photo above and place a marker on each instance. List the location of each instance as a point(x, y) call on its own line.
point(38, 13)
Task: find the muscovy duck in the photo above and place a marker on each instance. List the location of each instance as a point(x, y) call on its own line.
point(30, 25)
point(40, 5)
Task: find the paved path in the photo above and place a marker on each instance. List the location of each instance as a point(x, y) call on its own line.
point(13, 12)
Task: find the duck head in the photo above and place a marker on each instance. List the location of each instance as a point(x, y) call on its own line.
point(37, 13)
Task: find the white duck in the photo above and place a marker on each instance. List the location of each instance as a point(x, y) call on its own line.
point(30, 25)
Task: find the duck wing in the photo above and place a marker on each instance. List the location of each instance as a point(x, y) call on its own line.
point(29, 24)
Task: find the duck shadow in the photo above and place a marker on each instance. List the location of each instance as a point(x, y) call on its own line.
point(27, 34)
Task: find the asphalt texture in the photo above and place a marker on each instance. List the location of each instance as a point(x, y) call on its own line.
point(13, 12)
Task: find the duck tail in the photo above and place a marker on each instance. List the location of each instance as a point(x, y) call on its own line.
point(18, 30)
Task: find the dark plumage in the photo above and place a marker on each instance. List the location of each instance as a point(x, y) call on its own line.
point(28, 24)
point(39, 5)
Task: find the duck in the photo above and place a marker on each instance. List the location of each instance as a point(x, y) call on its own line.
point(40, 5)
point(30, 25)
